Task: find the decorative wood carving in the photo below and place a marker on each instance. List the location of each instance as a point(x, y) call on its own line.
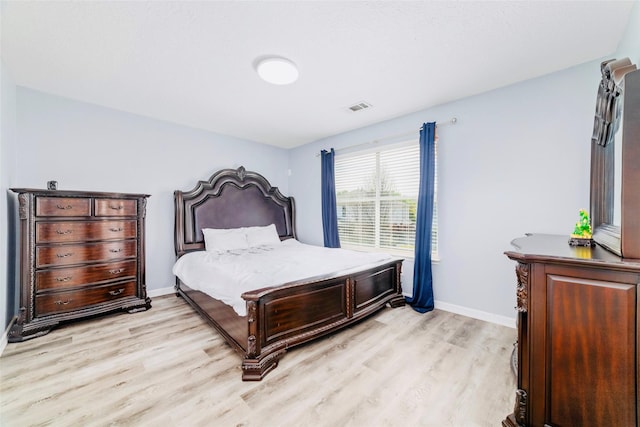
point(143, 208)
point(251, 311)
point(622, 238)
point(519, 416)
point(251, 348)
point(242, 173)
point(256, 369)
point(522, 273)
point(350, 290)
point(520, 408)
point(23, 208)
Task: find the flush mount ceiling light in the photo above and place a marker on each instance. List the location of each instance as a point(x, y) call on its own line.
point(277, 71)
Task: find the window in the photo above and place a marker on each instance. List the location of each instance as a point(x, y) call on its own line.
point(376, 195)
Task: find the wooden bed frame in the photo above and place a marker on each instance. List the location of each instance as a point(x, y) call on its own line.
point(277, 317)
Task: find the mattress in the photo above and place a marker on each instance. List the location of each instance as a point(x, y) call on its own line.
point(226, 275)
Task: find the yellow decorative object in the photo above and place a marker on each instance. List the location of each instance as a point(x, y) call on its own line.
point(582, 230)
point(582, 233)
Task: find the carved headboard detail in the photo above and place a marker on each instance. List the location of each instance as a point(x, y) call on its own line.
point(231, 198)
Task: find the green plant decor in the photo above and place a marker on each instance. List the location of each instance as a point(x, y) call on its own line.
point(582, 230)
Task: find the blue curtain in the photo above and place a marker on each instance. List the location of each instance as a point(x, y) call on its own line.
point(422, 299)
point(329, 211)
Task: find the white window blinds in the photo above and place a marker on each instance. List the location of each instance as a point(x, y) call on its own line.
point(376, 194)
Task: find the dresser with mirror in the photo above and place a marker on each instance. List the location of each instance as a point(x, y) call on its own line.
point(577, 306)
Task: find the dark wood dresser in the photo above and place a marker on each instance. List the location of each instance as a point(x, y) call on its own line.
point(577, 335)
point(80, 254)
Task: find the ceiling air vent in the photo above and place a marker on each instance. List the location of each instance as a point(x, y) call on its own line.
point(360, 106)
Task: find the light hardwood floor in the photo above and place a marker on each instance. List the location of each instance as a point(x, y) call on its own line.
point(167, 367)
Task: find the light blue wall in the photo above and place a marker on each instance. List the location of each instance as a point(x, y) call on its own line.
point(87, 147)
point(630, 44)
point(7, 171)
point(516, 162)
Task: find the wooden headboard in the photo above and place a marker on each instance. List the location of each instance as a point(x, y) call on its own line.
point(231, 198)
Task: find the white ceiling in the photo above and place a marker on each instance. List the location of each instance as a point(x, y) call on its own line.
point(192, 62)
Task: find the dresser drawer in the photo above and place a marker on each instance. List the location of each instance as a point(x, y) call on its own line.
point(76, 254)
point(63, 206)
point(60, 302)
point(116, 207)
point(78, 231)
point(60, 278)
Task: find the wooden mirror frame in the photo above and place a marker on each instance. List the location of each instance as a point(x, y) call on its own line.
point(624, 240)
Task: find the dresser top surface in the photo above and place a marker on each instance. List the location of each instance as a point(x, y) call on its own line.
point(556, 248)
point(75, 193)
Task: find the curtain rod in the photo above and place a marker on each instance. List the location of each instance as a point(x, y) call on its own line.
point(451, 121)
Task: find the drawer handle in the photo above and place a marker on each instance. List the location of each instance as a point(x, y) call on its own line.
point(118, 271)
point(64, 207)
point(59, 302)
point(64, 232)
point(118, 292)
point(116, 208)
point(116, 230)
point(64, 279)
point(68, 254)
point(115, 251)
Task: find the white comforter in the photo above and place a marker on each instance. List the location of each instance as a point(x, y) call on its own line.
point(225, 276)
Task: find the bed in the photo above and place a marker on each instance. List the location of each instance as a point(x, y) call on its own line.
point(278, 316)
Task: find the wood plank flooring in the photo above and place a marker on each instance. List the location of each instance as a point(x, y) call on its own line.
point(167, 367)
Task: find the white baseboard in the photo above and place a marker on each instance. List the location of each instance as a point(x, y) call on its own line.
point(440, 305)
point(476, 314)
point(151, 293)
point(4, 340)
point(473, 313)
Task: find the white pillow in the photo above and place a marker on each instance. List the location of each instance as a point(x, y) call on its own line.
point(260, 236)
point(224, 239)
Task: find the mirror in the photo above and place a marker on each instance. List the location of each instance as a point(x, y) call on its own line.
point(615, 143)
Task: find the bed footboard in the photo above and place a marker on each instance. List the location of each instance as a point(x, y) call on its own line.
point(292, 314)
